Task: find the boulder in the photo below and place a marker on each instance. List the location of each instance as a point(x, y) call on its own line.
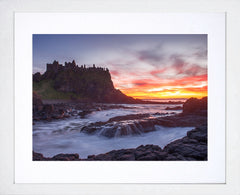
point(191, 147)
point(37, 156)
point(195, 106)
point(66, 157)
point(84, 113)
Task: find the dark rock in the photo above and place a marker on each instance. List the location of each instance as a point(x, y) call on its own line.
point(199, 134)
point(48, 108)
point(105, 157)
point(128, 117)
point(193, 146)
point(127, 125)
point(37, 103)
point(37, 156)
point(57, 116)
point(171, 158)
point(148, 156)
point(158, 113)
point(174, 108)
point(37, 77)
point(195, 106)
point(84, 113)
point(149, 152)
point(89, 130)
point(91, 156)
point(189, 148)
point(65, 157)
point(126, 157)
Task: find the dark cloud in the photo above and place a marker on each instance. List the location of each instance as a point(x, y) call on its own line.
point(152, 56)
point(195, 70)
point(182, 67)
point(201, 54)
point(144, 82)
point(179, 64)
point(140, 84)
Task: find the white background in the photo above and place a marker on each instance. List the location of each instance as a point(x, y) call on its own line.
point(7, 96)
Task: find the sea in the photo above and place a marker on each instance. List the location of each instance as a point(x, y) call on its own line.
point(65, 136)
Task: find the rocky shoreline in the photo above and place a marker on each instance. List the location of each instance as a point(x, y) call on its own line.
point(48, 112)
point(142, 123)
point(192, 147)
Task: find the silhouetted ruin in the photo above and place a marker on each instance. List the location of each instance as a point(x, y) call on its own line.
point(82, 83)
point(56, 67)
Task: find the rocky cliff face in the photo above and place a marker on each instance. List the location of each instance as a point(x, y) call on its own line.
point(93, 84)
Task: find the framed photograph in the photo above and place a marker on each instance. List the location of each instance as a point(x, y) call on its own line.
point(119, 98)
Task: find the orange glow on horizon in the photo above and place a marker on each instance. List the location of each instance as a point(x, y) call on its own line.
point(166, 94)
point(195, 86)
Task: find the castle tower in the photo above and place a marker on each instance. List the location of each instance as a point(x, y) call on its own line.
point(53, 67)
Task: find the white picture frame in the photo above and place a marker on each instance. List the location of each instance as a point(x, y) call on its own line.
point(7, 8)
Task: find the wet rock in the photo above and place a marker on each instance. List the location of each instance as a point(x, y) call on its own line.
point(181, 120)
point(99, 109)
point(158, 113)
point(174, 108)
point(122, 126)
point(189, 148)
point(89, 130)
point(57, 116)
point(128, 117)
point(193, 146)
point(147, 125)
point(149, 152)
point(84, 113)
point(199, 134)
point(66, 157)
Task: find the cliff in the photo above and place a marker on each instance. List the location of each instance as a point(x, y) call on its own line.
point(75, 82)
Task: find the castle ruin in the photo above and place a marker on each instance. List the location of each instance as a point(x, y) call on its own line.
point(56, 67)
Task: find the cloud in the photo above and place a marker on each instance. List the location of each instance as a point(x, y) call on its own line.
point(178, 63)
point(153, 55)
point(144, 82)
point(178, 67)
point(114, 73)
point(195, 70)
point(150, 56)
point(158, 71)
point(201, 54)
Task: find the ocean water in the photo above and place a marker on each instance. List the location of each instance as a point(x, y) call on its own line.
point(64, 136)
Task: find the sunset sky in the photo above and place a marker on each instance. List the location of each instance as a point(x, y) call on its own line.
point(141, 66)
